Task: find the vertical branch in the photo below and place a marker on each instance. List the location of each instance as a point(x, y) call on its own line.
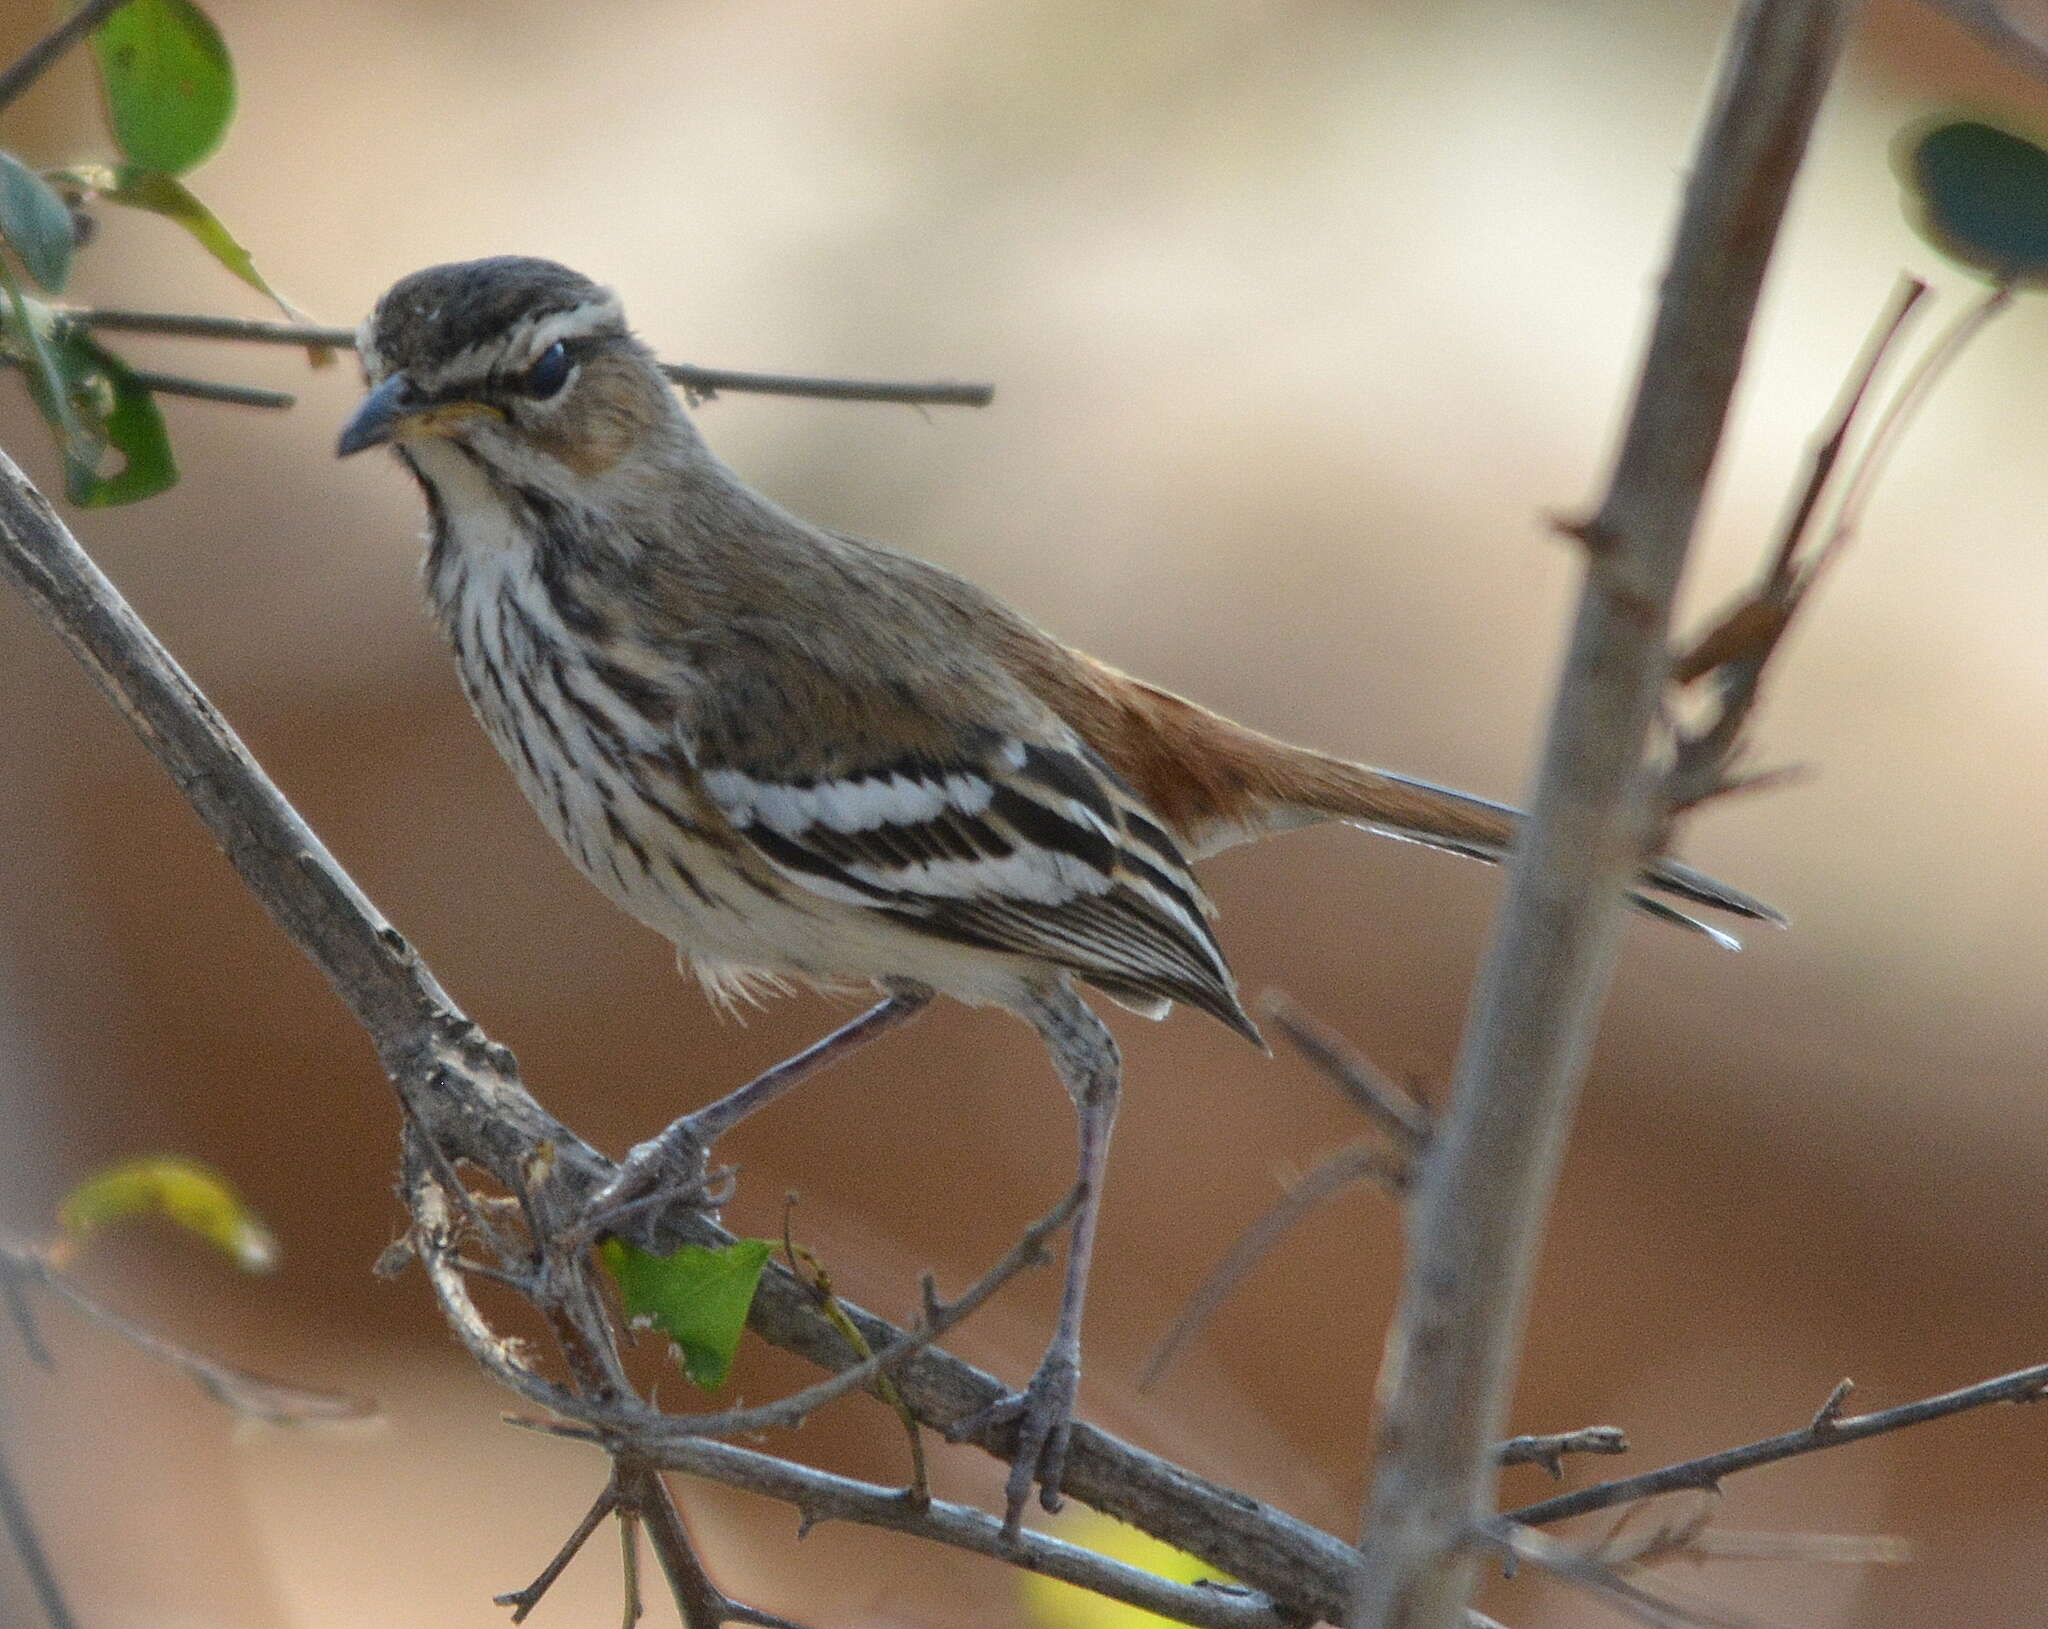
point(1478, 1211)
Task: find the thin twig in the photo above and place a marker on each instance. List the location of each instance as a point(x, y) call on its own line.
point(22, 1315)
point(702, 383)
point(788, 1412)
point(523, 1601)
point(1362, 1082)
point(208, 390)
point(806, 1265)
point(251, 1395)
point(1996, 26)
point(33, 63)
point(2021, 1386)
point(28, 1545)
point(1603, 1582)
point(1476, 1219)
point(177, 384)
point(1353, 1163)
point(822, 1496)
point(192, 325)
point(1738, 648)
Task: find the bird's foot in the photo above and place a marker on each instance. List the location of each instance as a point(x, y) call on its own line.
point(1043, 1417)
point(672, 1169)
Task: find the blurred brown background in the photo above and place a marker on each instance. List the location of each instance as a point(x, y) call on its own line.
point(1304, 316)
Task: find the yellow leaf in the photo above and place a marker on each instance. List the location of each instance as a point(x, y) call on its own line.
point(1066, 1606)
point(181, 1191)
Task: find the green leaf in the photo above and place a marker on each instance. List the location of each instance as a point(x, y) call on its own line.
point(35, 223)
point(133, 427)
point(27, 333)
point(178, 1190)
point(699, 1298)
point(1980, 195)
point(170, 89)
point(91, 400)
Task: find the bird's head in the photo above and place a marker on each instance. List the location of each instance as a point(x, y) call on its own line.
point(522, 364)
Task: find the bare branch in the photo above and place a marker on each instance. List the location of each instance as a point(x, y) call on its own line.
point(208, 390)
point(649, 1428)
point(701, 383)
point(1549, 1451)
point(1368, 1089)
point(2022, 1386)
point(1996, 26)
point(821, 1496)
point(33, 63)
point(1829, 1414)
point(1352, 1163)
point(28, 1545)
point(1478, 1211)
point(251, 1395)
point(1603, 1582)
point(523, 1601)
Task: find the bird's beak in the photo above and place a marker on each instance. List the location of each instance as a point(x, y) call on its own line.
point(390, 413)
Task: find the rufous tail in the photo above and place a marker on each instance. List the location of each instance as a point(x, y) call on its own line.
point(1218, 784)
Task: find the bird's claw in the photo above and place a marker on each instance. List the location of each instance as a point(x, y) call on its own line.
point(1043, 1417)
point(652, 1176)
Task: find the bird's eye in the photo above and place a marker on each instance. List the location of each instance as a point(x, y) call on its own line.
point(548, 374)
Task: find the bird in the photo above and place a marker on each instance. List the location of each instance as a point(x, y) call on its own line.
point(808, 759)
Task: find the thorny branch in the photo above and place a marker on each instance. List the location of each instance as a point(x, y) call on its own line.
point(1824, 1431)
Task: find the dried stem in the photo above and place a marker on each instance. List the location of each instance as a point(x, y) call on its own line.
point(1478, 1211)
point(1353, 1163)
point(1364, 1085)
point(1998, 28)
point(208, 390)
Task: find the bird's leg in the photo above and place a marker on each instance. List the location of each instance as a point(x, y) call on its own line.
point(676, 1158)
point(1085, 1054)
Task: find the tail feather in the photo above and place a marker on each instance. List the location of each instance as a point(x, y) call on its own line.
point(1218, 784)
point(1478, 828)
